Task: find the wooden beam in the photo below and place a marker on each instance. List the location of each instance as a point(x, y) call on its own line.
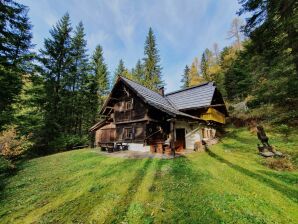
point(172, 136)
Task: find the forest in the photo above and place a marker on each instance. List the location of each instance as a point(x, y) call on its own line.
point(50, 98)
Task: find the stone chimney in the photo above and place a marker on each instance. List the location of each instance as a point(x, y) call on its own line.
point(161, 91)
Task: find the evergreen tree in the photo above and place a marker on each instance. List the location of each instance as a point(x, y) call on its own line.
point(185, 78)
point(57, 64)
point(100, 71)
point(99, 82)
point(273, 52)
point(152, 69)
point(15, 55)
point(77, 80)
point(29, 112)
point(138, 72)
point(120, 70)
point(206, 62)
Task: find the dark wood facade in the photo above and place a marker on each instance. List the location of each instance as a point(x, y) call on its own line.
point(133, 114)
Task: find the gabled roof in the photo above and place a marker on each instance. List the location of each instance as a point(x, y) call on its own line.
point(193, 97)
point(154, 99)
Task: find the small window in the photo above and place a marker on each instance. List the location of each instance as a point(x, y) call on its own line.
point(129, 105)
point(128, 133)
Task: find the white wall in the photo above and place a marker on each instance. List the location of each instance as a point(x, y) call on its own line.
point(138, 147)
point(194, 133)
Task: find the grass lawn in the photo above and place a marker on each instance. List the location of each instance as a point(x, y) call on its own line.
point(228, 184)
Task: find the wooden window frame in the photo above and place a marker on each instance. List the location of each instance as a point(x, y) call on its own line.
point(128, 133)
point(129, 104)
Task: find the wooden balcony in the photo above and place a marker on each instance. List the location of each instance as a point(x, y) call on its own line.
point(214, 115)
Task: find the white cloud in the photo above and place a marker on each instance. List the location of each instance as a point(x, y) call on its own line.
point(183, 28)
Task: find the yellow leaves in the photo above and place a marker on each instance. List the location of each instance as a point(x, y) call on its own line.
point(11, 145)
point(194, 76)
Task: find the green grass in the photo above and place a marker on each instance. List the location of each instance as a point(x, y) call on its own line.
point(227, 184)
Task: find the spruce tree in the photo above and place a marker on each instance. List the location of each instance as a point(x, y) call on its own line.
point(152, 69)
point(206, 62)
point(120, 70)
point(138, 72)
point(77, 81)
point(15, 55)
point(57, 63)
point(100, 71)
point(185, 78)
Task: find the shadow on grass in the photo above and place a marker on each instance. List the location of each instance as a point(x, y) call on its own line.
point(287, 178)
point(286, 191)
point(118, 213)
point(183, 199)
point(5, 175)
point(81, 207)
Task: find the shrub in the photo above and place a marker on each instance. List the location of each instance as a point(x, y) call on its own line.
point(12, 145)
point(67, 142)
point(5, 165)
point(284, 130)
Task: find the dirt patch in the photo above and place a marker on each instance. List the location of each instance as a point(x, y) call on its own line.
point(138, 155)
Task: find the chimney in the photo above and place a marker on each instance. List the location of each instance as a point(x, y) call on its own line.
point(161, 91)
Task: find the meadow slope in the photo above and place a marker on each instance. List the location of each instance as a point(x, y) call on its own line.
point(227, 184)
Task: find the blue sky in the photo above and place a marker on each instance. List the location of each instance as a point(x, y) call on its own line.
point(183, 28)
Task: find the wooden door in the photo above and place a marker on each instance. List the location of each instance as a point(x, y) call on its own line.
point(180, 139)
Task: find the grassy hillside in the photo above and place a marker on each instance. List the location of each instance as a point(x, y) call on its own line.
point(228, 184)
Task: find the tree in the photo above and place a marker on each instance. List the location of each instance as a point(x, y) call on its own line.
point(152, 69)
point(138, 72)
point(194, 77)
point(74, 103)
point(57, 64)
point(15, 54)
point(185, 78)
point(216, 52)
point(234, 32)
point(206, 62)
point(100, 71)
point(120, 70)
point(273, 52)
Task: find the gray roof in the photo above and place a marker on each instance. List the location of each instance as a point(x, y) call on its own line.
point(193, 97)
point(154, 99)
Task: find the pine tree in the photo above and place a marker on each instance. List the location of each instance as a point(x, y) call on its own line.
point(57, 64)
point(120, 70)
point(138, 72)
point(152, 69)
point(185, 78)
point(100, 71)
point(206, 62)
point(100, 78)
point(15, 55)
point(77, 111)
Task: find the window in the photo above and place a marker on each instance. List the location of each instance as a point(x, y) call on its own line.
point(128, 105)
point(128, 134)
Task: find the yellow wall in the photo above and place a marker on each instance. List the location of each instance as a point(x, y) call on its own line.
point(214, 115)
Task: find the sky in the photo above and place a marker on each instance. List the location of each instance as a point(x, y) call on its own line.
point(183, 28)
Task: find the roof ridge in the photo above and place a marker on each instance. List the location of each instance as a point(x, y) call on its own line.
point(139, 84)
point(192, 87)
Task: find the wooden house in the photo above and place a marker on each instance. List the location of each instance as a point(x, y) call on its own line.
point(144, 120)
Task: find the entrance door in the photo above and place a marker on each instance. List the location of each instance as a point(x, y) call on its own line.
point(180, 139)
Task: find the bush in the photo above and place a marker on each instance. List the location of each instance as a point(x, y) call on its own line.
point(67, 142)
point(284, 130)
point(5, 165)
point(12, 146)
